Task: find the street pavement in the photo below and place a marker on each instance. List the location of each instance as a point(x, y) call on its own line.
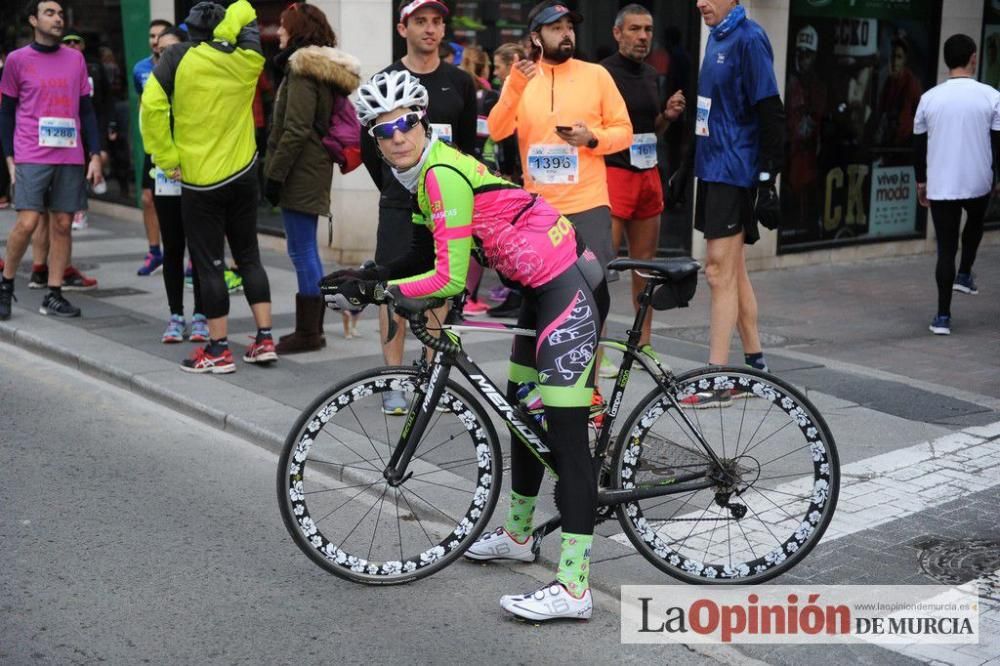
point(914, 415)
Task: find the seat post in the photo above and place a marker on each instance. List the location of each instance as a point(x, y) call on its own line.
point(643, 299)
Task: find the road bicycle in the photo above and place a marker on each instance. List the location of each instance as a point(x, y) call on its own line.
point(738, 493)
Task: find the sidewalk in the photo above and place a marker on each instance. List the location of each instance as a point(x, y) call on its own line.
point(853, 336)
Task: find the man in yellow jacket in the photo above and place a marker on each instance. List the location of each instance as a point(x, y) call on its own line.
point(197, 123)
point(568, 114)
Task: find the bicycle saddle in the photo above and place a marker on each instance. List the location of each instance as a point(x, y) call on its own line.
point(672, 269)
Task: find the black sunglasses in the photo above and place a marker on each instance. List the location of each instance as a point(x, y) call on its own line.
point(404, 124)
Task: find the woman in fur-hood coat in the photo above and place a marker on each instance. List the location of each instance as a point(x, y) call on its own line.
point(298, 168)
point(295, 153)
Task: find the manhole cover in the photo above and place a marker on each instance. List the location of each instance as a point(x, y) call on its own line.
point(957, 561)
point(111, 321)
point(116, 291)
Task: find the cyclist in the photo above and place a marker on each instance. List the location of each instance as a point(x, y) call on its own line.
point(460, 205)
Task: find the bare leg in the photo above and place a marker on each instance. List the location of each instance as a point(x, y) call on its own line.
point(17, 241)
point(392, 351)
point(642, 238)
point(149, 218)
point(40, 241)
point(262, 314)
point(218, 328)
point(59, 246)
point(749, 333)
point(725, 257)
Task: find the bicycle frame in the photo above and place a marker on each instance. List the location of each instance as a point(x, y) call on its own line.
point(528, 431)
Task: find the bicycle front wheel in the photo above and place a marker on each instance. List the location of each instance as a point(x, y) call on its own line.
point(774, 486)
point(343, 512)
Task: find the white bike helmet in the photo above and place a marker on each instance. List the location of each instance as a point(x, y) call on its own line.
point(387, 91)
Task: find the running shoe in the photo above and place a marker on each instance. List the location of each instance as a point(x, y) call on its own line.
point(707, 400)
point(57, 306)
point(6, 296)
point(608, 370)
point(151, 264)
point(234, 282)
point(39, 278)
point(550, 602)
point(965, 284)
point(199, 328)
point(941, 325)
point(394, 403)
point(80, 221)
point(501, 545)
point(174, 331)
point(74, 280)
point(474, 308)
point(597, 407)
point(648, 350)
point(201, 362)
point(261, 352)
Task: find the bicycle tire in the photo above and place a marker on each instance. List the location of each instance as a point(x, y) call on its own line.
point(440, 490)
point(772, 504)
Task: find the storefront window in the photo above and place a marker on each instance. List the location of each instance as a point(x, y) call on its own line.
point(989, 73)
point(856, 70)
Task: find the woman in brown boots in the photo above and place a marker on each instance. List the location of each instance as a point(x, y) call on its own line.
point(318, 78)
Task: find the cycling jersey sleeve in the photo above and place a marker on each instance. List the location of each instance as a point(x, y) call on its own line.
point(451, 201)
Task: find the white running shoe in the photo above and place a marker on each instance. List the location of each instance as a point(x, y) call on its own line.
point(500, 545)
point(551, 602)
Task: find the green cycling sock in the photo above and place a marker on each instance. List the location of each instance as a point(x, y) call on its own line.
point(574, 563)
point(520, 516)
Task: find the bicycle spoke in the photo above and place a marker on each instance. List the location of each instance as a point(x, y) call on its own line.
point(360, 520)
point(761, 521)
point(451, 438)
point(439, 485)
point(418, 496)
point(779, 508)
point(442, 468)
point(715, 526)
point(420, 523)
point(784, 455)
point(377, 518)
point(351, 449)
point(345, 465)
point(399, 526)
point(333, 490)
point(345, 502)
point(770, 406)
point(365, 433)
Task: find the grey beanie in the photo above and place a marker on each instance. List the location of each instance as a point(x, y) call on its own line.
point(202, 19)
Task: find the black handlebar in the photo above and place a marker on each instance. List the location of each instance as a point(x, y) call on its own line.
point(414, 309)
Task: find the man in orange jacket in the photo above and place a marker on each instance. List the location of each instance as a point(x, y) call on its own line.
point(568, 114)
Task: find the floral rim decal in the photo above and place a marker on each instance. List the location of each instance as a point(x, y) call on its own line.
point(331, 552)
point(820, 488)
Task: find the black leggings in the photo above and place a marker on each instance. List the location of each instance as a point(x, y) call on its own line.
point(168, 212)
point(211, 217)
point(568, 312)
point(947, 221)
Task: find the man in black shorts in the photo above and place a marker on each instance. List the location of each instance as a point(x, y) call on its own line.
point(452, 115)
point(46, 119)
point(736, 163)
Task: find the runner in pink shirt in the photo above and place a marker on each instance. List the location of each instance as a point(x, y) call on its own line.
point(46, 122)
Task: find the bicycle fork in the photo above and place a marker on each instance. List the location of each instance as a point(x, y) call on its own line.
point(417, 420)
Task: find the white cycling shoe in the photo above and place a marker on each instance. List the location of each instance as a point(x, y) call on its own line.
point(551, 602)
point(500, 545)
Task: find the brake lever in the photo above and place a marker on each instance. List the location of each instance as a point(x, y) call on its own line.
point(393, 327)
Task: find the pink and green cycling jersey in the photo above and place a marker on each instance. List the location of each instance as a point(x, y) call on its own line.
point(524, 238)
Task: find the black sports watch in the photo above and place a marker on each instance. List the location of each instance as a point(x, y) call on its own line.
point(592, 143)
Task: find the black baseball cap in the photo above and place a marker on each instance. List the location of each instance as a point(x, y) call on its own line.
point(550, 11)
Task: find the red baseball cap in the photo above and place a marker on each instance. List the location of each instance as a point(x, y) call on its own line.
point(408, 9)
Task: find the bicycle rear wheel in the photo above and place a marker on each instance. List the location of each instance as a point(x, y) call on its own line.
point(344, 514)
point(774, 492)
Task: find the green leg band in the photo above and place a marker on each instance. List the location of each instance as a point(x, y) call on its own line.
point(520, 516)
point(520, 374)
point(574, 562)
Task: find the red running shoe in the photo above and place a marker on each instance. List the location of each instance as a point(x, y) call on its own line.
point(261, 352)
point(74, 280)
point(201, 362)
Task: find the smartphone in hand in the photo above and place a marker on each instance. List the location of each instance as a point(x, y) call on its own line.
point(564, 128)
